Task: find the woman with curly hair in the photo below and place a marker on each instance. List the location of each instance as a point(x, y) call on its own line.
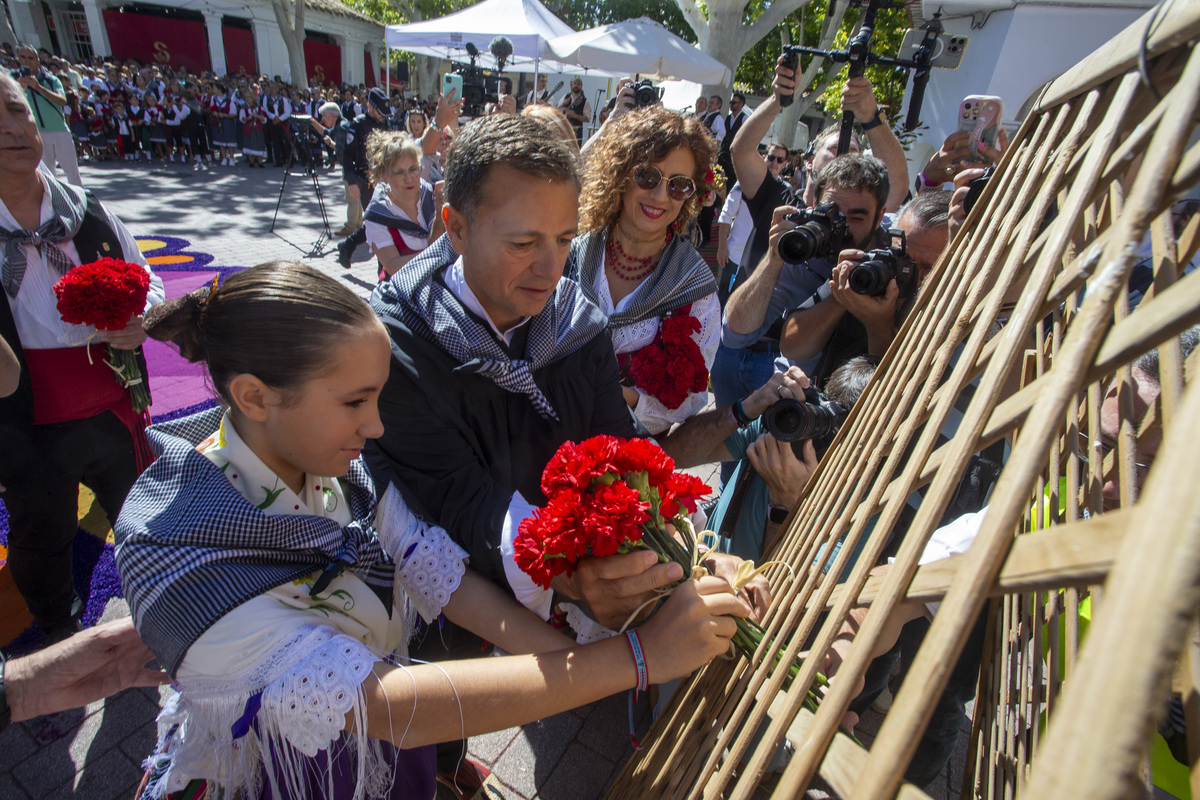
point(401, 219)
point(644, 183)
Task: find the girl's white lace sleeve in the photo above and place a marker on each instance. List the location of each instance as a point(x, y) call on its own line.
point(429, 564)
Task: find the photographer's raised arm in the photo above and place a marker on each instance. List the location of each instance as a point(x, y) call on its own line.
point(746, 310)
point(859, 97)
point(747, 163)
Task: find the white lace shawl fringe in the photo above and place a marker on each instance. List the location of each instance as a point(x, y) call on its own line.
point(313, 679)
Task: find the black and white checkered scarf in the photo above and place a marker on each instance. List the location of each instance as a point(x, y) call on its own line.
point(680, 278)
point(415, 299)
point(190, 547)
point(69, 204)
point(378, 211)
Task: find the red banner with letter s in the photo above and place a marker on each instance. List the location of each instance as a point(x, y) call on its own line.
point(157, 40)
point(323, 62)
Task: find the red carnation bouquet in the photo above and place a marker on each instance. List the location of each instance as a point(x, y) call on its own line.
point(672, 366)
point(607, 495)
point(106, 294)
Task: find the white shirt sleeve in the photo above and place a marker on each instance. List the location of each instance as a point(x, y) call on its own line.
point(528, 593)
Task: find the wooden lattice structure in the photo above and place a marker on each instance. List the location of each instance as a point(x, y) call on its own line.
point(1106, 158)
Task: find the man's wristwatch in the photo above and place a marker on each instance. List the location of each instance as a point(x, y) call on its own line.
point(876, 120)
point(778, 514)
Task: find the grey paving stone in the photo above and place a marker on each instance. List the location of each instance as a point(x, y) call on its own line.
point(140, 744)
point(606, 730)
point(10, 789)
point(516, 767)
point(47, 769)
point(16, 745)
point(549, 739)
point(111, 776)
point(488, 748)
point(582, 774)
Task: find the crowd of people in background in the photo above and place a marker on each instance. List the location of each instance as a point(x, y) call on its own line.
point(478, 362)
point(128, 111)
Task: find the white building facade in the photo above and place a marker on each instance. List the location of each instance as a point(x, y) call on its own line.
point(1016, 47)
point(225, 36)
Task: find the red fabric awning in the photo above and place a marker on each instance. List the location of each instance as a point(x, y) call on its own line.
point(368, 70)
point(239, 51)
point(157, 40)
point(323, 62)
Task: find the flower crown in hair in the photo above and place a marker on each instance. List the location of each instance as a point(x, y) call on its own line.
point(714, 181)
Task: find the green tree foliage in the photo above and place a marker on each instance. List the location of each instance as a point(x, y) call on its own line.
point(889, 82)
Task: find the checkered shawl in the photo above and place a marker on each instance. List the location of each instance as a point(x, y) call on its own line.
point(681, 277)
point(190, 547)
point(378, 211)
point(70, 205)
point(415, 299)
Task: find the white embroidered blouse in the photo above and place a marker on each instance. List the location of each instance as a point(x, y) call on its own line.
point(307, 655)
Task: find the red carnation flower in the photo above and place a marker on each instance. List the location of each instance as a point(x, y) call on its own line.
point(672, 366)
point(643, 455)
point(104, 294)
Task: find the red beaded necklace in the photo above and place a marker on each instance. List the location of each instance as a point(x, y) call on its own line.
point(634, 268)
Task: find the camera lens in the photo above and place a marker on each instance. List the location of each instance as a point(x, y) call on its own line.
point(646, 96)
point(803, 242)
point(871, 277)
point(786, 419)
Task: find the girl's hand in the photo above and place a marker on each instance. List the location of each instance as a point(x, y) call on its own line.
point(693, 627)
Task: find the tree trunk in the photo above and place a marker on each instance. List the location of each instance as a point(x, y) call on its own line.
point(722, 34)
point(289, 15)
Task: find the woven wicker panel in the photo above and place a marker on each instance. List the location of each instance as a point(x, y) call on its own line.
point(1087, 182)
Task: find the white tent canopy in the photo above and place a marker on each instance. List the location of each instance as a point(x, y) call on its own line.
point(639, 46)
point(526, 23)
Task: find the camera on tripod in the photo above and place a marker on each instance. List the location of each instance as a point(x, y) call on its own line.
point(821, 232)
point(305, 142)
point(817, 418)
point(872, 275)
point(645, 93)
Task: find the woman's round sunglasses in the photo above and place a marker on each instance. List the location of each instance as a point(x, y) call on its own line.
point(679, 187)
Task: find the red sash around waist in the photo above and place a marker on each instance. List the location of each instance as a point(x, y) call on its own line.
point(67, 387)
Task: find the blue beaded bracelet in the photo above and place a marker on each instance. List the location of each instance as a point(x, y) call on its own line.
point(639, 660)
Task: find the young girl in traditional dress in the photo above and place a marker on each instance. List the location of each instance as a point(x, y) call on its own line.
point(275, 585)
point(254, 138)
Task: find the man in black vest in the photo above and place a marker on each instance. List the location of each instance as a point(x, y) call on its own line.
point(278, 111)
point(733, 124)
point(68, 422)
point(714, 120)
point(576, 108)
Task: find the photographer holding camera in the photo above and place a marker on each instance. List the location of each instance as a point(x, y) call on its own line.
point(856, 312)
point(776, 454)
point(852, 192)
point(748, 346)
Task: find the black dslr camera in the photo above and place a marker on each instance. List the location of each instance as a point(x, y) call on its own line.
point(817, 418)
point(822, 233)
point(645, 93)
point(873, 274)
